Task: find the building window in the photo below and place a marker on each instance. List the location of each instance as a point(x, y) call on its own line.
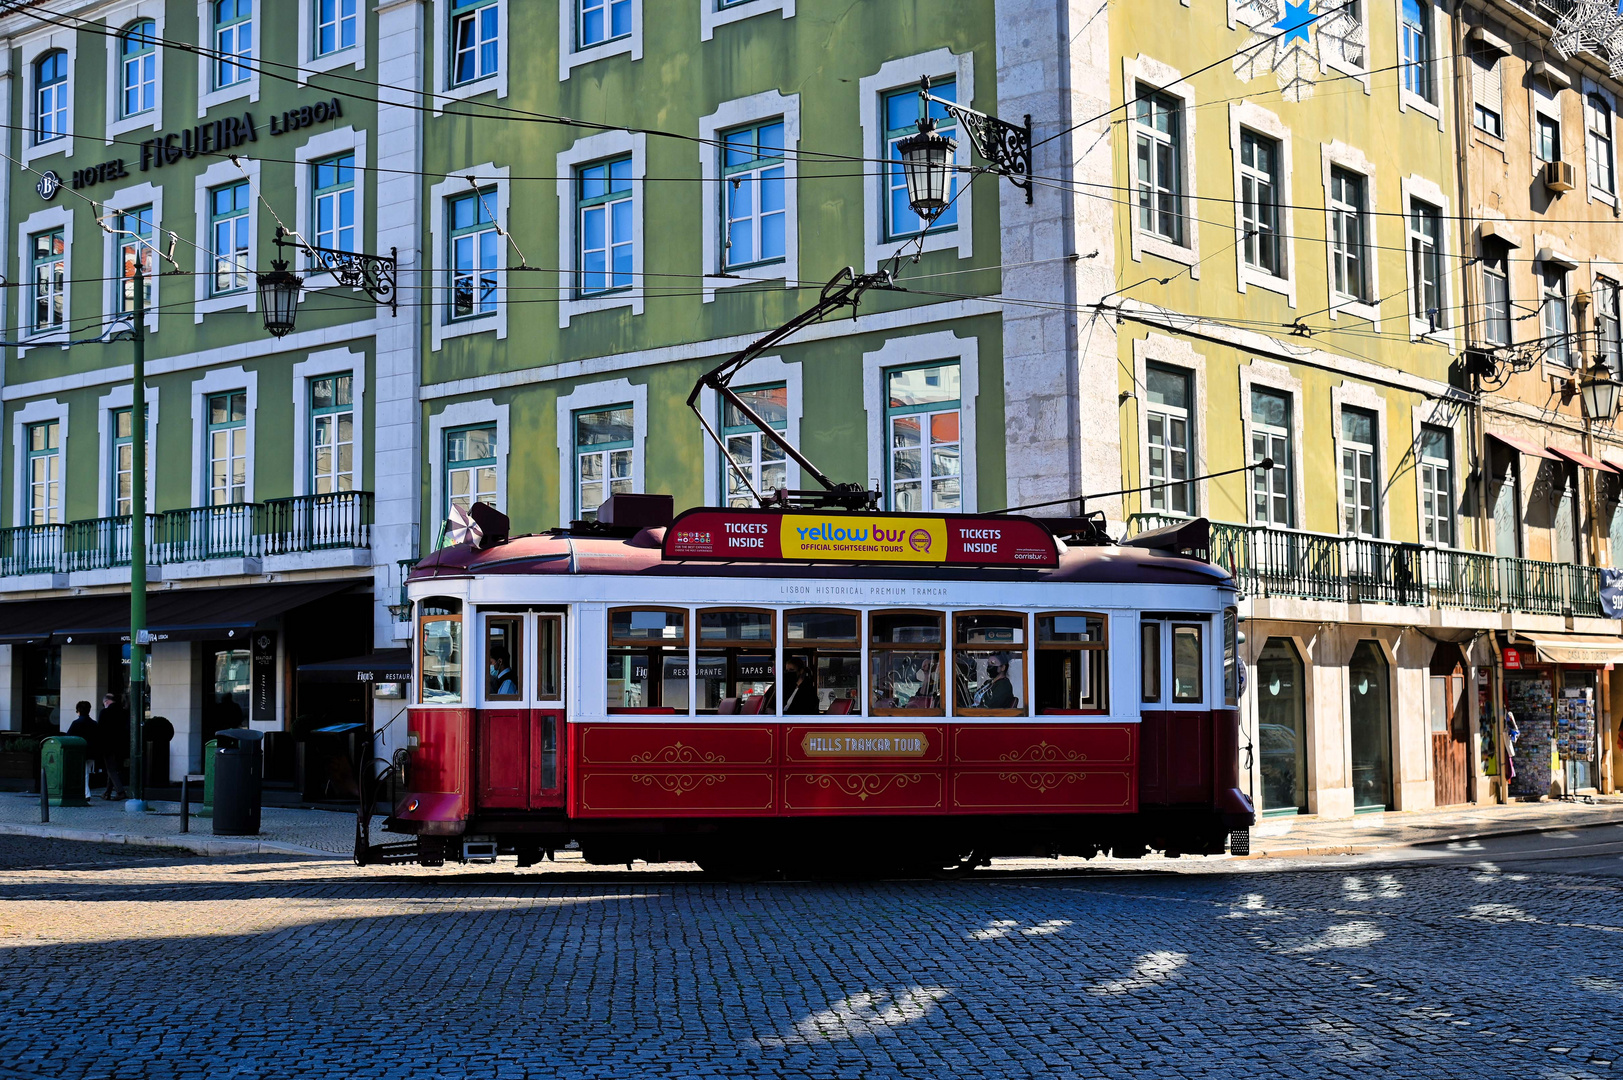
point(1495, 293)
point(470, 467)
point(1347, 234)
point(44, 475)
point(1358, 471)
point(1553, 317)
point(603, 198)
point(1426, 256)
point(1259, 202)
point(49, 257)
point(603, 457)
point(229, 225)
point(1487, 92)
point(123, 462)
point(1436, 486)
point(332, 434)
point(334, 184)
point(1608, 338)
point(1547, 143)
point(475, 35)
point(138, 66)
point(901, 108)
point(753, 196)
point(336, 22)
point(1417, 49)
point(603, 20)
point(475, 249)
point(228, 448)
point(925, 448)
point(233, 41)
point(135, 243)
point(1602, 172)
point(51, 97)
point(1168, 432)
point(1271, 501)
point(1159, 126)
point(755, 455)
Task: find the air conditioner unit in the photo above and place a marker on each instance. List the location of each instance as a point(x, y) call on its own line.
point(1560, 176)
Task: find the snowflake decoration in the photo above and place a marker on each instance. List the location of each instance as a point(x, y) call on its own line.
point(1294, 44)
point(1592, 26)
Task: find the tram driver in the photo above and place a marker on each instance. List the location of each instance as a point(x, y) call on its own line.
point(502, 683)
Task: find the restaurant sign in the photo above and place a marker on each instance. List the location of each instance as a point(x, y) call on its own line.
point(814, 536)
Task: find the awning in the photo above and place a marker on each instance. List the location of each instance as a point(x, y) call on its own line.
point(1594, 651)
point(172, 614)
point(1578, 457)
point(385, 665)
point(1522, 446)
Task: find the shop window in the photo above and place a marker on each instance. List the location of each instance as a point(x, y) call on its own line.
point(1282, 727)
point(504, 657)
point(737, 659)
point(1370, 717)
point(822, 662)
point(989, 664)
point(648, 660)
point(1071, 664)
point(440, 643)
point(1188, 655)
point(1149, 662)
point(904, 663)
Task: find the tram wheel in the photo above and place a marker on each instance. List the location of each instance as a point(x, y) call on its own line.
point(955, 871)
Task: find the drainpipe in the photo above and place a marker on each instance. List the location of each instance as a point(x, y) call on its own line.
point(1469, 282)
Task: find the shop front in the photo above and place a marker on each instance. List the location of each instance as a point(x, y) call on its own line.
point(1557, 718)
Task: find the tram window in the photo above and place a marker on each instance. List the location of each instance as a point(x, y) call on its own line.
point(1186, 661)
point(648, 660)
point(549, 658)
point(989, 664)
point(822, 663)
point(904, 663)
point(504, 657)
point(1071, 672)
point(440, 634)
point(1231, 656)
point(1149, 661)
point(736, 661)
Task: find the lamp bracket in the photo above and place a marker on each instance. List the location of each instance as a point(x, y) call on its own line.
point(372, 274)
point(1005, 146)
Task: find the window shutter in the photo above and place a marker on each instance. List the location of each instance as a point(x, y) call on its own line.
point(1487, 83)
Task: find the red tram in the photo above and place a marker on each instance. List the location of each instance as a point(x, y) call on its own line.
point(758, 689)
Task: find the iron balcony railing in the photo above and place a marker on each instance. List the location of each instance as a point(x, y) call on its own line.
point(1274, 562)
point(240, 530)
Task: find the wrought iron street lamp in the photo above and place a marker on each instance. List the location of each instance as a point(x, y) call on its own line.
point(927, 158)
point(279, 298)
point(279, 289)
point(1599, 390)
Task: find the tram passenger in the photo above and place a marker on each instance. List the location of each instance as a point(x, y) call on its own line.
point(998, 693)
point(501, 673)
point(801, 697)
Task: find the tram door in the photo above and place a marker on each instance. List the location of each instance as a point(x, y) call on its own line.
point(518, 755)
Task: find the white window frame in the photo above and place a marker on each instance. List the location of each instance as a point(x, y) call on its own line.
point(217, 175)
point(1541, 268)
point(310, 63)
point(1433, 414)
point(441, 33)
point(584, 398)
point(221, 381)
point(1486, 321)
point(112, 249)
point(345, 140)
point(734, 114)
point(608, 144)
point(1441, 64)
point(36, 412)
point(461, 414)
point(1595, 192)
point(1415, 187)
point(122, 397)
point(1487, 50)
point(208, 95)
point(1546, 102)
point(48, 220)
point(1172, 353)
point(1339, 155)
point(1244, 116)
point(571, 57)
point(1362, 396)
point(32, 49)
point(118, 22)
point(488, 175)
point(764, 370)
point(316, 366)
point(1277, 378)
point(1191, 416)
point(1169, 81)
point(712, 14)
point(941, 346)
point(896, 75)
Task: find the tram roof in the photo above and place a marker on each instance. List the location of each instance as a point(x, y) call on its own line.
point(573, 553)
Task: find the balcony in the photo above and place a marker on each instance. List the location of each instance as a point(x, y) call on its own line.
point(276, 527)
point(1281, 563)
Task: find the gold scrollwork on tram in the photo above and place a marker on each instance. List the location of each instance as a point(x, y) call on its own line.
point(678, 783)
point(678, 753)
point(865, 786)
point(1041, 753)
point(1042, 782)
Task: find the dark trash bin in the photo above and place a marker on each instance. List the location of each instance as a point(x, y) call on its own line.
point(63, 757)
point(157, 732)
point(238, 770)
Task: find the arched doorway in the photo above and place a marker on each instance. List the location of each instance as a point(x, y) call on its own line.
point(1450, 726)
point(1370, 720)
point(1282, 727)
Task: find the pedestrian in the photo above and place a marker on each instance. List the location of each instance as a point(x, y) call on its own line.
point(114, 725)
point(84, 727)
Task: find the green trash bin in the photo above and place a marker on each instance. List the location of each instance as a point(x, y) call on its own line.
point(63, 758)
point(207, 809)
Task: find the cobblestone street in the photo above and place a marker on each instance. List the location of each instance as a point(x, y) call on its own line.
point(130, 962)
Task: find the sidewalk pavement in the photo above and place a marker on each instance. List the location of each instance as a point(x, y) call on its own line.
point(328, 834)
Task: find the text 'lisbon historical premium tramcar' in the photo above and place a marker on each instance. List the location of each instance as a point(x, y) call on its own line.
point(757, 689)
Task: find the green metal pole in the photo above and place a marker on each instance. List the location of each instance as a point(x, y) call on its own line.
point(138, 547)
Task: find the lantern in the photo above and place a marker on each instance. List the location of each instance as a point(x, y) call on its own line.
point(927, 159)
point(279, 298)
